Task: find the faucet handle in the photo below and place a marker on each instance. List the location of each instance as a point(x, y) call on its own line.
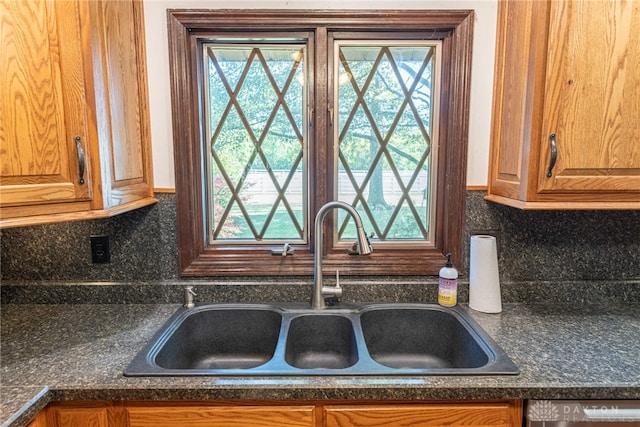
point(286, 250)
point(188, 297)
point(354, 250)
point(334, 292)
point(337, 289)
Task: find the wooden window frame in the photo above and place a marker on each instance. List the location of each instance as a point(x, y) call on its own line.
point(196, 258)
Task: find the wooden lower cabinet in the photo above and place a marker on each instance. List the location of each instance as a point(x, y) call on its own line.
point(175, 415)
point(280, 414)
point(427, 414)
point(76, 414)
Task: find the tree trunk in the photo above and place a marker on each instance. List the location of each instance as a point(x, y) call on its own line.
point(375, 199)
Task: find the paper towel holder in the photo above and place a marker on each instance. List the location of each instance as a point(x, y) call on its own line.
point(495, 232)
point(484, 276)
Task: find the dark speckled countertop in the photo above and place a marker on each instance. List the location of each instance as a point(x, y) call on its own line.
point(55, 352)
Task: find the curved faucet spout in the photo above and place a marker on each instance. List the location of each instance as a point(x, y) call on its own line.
point(364, 248)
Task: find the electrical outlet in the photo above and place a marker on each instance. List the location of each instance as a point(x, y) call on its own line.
point(497, 233)
point(100, 253)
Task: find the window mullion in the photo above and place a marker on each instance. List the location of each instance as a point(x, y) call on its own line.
point(321, 145)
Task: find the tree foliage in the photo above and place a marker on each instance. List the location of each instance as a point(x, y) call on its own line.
point(256, 99)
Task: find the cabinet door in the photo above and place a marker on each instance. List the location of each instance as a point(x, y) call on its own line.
point(466, 414)
point(40, 420)
point(592, 99)
point(521, 49)
point(43, 127)
point(121, 98)
point(77, 414)
point(227, 416)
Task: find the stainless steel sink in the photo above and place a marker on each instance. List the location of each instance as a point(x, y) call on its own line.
point(292, 339)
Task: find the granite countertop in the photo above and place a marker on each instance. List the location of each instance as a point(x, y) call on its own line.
point(55, 352)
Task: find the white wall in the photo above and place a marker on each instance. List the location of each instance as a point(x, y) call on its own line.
point(158, 68)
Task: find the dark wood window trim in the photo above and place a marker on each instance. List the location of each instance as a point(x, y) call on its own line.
point(454, 27)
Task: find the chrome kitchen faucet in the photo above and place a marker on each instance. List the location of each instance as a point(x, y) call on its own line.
point(363, 244)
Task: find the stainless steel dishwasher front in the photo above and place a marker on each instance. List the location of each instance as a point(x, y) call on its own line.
point(583, 413)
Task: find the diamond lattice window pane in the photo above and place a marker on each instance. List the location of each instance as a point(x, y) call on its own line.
point(385, 97)
point(257, 169)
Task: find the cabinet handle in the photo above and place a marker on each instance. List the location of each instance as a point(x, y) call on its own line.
point(554, 154)
point(81, 161)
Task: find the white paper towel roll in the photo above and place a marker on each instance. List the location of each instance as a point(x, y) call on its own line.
point(484, 278)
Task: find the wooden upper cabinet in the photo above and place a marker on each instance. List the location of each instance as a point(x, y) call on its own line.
point(566, 115)
point(74, 120)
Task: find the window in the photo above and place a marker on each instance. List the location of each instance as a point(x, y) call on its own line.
point(385, 95)
point(278, 112)
point(257, 138)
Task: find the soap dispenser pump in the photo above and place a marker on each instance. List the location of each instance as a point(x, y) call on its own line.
point(448, 284)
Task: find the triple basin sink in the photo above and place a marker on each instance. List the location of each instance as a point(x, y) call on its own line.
point(349, 339)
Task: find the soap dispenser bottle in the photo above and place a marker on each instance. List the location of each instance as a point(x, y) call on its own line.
point(448, 284)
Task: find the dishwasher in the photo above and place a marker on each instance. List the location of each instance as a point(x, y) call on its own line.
point(583, 413)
